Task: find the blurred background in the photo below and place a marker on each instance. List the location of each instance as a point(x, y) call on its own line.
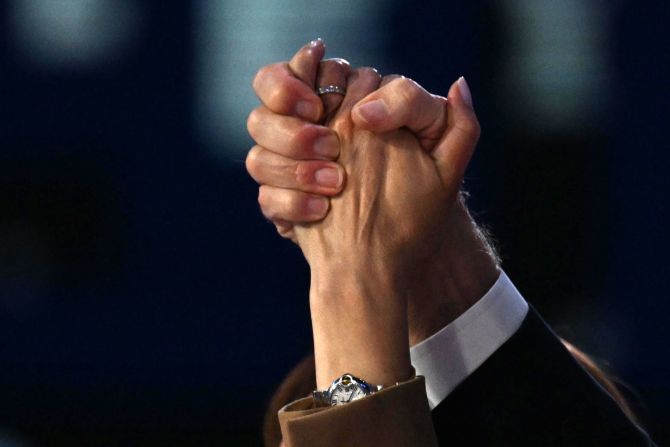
point(145, 301)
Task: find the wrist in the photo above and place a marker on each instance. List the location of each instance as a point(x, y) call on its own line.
point(359, 320)
point(459, 274)
point(356, 282)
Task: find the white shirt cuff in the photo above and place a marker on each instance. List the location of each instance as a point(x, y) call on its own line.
point(450, 355)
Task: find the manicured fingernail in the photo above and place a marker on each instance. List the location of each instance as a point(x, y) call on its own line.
point(328, 146)
point(373, 111)
point(329, 177)
point(317, 205)
point(316, 42)
point(306, 110)
point(464, 90)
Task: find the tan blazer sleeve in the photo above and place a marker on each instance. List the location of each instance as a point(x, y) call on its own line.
point(398, 416)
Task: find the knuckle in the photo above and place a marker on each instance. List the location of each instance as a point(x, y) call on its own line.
point(471, 126)
point(266, 203)
point(337, 66)
point(340, 62)
point(302, 173)
point(253, 121)
point(262, 198)
point(403, 83)
point(341, 67)
point(252, 162)
point(470, 129)
point(368, 72)
point(284, 95)
point(477, 128)
point(390, 78)
point(409, 90)
point(277, 99)
point(279, 204)
point(284, 228)
point(260, 76)
point(302, 139)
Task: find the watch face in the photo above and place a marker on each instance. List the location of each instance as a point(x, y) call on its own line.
point(348, 389)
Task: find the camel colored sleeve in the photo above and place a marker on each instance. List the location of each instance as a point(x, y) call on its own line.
point(397, 416)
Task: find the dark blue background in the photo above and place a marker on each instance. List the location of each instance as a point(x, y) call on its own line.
point(169, 309)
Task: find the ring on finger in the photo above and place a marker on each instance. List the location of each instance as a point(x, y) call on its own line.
point(331, 89)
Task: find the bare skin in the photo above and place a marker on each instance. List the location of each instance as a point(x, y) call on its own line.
point(395, 249)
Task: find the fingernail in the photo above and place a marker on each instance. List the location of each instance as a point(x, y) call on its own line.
point(306, 110)
point(373, 111)
point(328, 146)
point(329, 177)
point(317, 205)
point(316, 42)
point(464, 90)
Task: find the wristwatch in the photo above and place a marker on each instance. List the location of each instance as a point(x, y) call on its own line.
point(345, 389)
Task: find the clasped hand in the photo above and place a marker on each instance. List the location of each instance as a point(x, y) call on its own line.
point(403, 153)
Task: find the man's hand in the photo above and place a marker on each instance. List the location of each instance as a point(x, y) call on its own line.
point(404, 176)
point(446, 128)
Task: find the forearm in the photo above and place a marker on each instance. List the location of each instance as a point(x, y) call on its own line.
point(359, 321)
point(365, 316)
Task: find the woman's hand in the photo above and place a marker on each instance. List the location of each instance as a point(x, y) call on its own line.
point(293, 159)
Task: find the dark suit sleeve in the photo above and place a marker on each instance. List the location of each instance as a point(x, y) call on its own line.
point(531, 391)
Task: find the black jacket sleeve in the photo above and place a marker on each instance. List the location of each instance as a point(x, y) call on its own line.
point(533, 392)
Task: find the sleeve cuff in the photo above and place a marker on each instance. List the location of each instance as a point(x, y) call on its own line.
point(453, 353)
point(397, 416)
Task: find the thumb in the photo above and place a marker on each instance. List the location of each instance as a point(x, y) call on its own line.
point(457, 144)
point(399, 103)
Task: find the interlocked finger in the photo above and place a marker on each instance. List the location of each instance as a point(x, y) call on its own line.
point(281, 204)
point(314, 176)
point(292, 137)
